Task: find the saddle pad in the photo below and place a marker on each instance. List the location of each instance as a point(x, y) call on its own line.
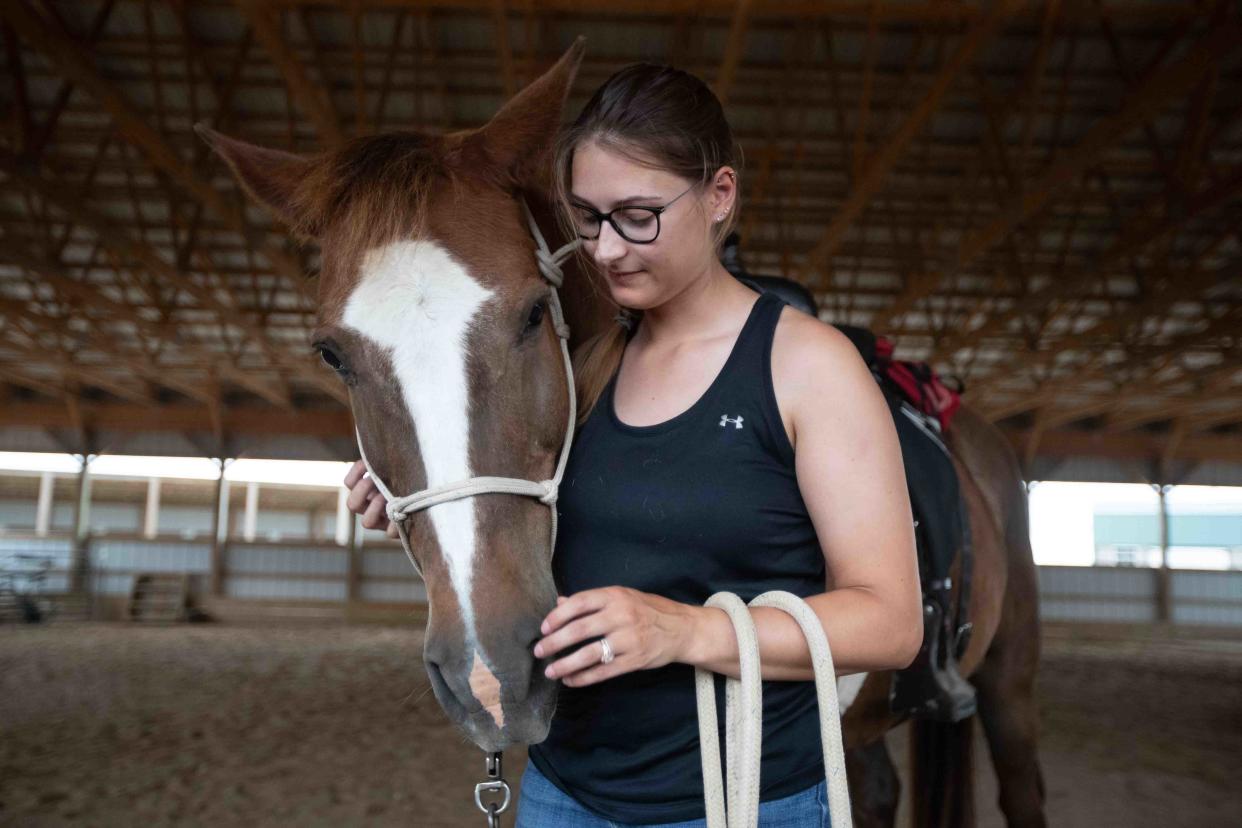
point(934, 489)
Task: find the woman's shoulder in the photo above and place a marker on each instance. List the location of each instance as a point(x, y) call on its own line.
point(815, 365)
point(805, 346)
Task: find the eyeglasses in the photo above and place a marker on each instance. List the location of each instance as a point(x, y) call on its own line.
point(637, 225)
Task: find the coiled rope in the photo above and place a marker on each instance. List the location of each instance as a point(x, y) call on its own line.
point(744, 717)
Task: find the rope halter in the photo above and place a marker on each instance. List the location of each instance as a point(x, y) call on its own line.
point(399, 509)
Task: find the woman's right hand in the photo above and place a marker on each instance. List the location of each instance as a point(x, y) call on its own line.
point(365, 499)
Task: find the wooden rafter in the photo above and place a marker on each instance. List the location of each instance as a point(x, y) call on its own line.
point(128, 248)
point(1138, 235)
point(734, 47)
point(1174, 79)
point(269, 388)
point(1069, 443)
point(1189, 285)
point(855, 11)
point(235, 420)
point(504, 52)
point(1101, 293)
point(1221, 407)
point(1152, 364)
point(314, 100)
point(71, 62)
point(35, 151)
point(23, 123)
point(882, 162)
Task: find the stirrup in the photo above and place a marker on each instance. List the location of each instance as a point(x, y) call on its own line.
point(931, 687)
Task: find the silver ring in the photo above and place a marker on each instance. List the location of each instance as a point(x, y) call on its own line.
point(606, 653)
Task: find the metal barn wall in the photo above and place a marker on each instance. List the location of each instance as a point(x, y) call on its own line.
point(260, 571)
point(1213, 598)
point(1131, 594)
point(57, 551)
point(1079, 593)
point(115, 561)
point(321, 573)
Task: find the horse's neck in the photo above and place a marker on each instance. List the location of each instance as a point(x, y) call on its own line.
point(587, 309)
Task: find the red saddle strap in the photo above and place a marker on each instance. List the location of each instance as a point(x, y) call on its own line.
point(920, 385)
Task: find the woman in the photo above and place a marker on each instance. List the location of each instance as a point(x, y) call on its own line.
point(727, 442)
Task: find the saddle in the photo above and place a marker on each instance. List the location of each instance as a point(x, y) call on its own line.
point(922, 405)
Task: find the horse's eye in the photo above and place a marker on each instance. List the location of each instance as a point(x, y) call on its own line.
point(330, 358)
point(536, 316)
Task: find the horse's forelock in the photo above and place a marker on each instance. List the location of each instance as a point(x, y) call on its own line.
point(375, 191)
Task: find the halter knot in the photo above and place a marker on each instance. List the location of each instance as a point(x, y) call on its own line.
point(549, 266)
point(550, 490)
point(395, 514)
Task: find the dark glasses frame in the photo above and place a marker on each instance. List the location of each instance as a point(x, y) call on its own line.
point(607, 217)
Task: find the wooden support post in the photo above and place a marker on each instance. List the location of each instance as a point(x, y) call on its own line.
point(220, 531)
point(1163, 576)
point(343, 528)
point(353, 582)
point(81, 528)
point(43, 512)
point(151, 517)
point(312, 523)
point(251, 520)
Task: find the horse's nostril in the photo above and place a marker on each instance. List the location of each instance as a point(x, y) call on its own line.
point(436, 675)
point(527, 632)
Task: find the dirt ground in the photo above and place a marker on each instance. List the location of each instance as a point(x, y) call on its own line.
point(224, 725)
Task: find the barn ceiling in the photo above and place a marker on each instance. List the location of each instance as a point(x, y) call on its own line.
point(1042, 198)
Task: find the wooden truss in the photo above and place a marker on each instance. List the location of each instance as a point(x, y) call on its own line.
point(1039, 196)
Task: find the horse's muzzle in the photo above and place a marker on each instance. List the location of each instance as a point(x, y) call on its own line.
point(497, 702)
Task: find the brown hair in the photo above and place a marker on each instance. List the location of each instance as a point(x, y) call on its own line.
point(660, 117)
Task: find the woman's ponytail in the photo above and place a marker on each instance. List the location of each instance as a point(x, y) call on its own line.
point(595, 363)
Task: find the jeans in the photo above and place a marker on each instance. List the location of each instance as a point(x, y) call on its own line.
point(543, 805)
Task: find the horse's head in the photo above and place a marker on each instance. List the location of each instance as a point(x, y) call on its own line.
point(435, 315)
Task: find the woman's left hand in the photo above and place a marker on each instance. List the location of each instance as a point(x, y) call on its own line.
point(643, 630)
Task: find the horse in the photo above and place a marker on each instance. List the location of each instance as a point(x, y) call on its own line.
point(433, 310)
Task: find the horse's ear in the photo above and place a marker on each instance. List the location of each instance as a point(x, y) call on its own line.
point(274, 178)
point(521, 138)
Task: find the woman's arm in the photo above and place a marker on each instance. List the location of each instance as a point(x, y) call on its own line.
point(851, 477)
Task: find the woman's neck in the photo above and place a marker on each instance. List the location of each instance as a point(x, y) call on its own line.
point(709, 303)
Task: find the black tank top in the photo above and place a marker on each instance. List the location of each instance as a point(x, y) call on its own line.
point(706, 501)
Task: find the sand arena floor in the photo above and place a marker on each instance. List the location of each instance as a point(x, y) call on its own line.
point(298, 725)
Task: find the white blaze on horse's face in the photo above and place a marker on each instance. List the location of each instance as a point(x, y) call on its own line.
point(417, 301)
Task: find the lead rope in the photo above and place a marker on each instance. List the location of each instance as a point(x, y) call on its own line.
point(744, 717)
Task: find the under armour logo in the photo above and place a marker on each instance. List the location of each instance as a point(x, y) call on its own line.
point(725, 419)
